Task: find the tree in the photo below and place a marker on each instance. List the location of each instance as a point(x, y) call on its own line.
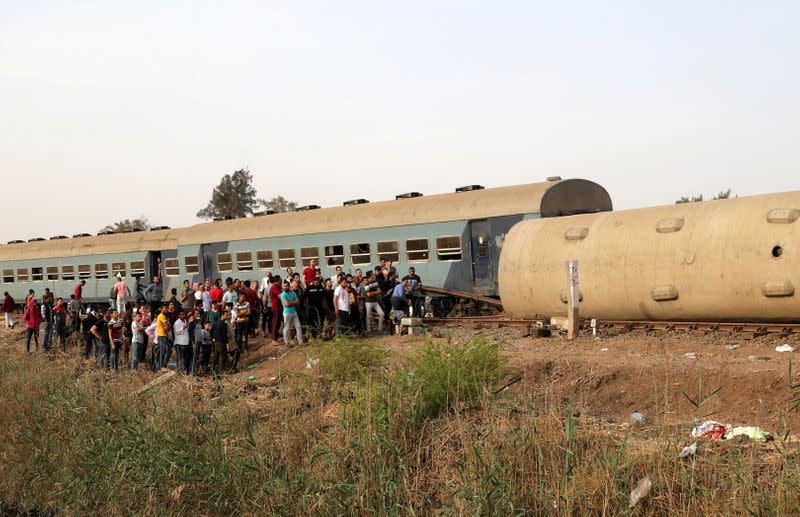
point(279, 204)
point(127, 225)
point(235, 196)
point(691, 199)
point(723, 194)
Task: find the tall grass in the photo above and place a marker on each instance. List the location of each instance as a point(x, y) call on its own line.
point(427, 435)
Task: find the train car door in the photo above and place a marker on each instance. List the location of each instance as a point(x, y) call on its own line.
point(207, 263)
point(483, 255)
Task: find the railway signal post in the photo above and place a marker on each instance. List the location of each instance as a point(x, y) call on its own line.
point(574, 300)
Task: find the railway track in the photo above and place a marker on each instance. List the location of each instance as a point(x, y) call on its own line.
point(751, 329)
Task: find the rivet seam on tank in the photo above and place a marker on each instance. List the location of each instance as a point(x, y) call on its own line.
point(576, 233)
point(564, 295)
point(783, 215)
point(777, 289)
point(670, 225)
point(664, 293)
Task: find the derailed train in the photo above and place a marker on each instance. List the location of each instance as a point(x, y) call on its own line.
point(726, 260)
point(453, 240)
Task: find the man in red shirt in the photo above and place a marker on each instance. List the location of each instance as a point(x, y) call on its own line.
point(309, 273)
point(275, 292)
point(215, 293)
point(8, 310)
point(78, 292)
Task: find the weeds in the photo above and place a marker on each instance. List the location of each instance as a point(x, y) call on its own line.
point(427, 436)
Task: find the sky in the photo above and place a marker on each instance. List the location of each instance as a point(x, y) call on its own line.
point(111, 110)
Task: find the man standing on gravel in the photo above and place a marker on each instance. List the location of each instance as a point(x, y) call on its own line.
point(8, 310)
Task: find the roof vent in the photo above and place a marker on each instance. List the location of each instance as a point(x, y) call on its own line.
point(224, 218)
point(554, 178)
point(469, 188)
point(159, 228)
point(79, 235)
point(107, 232)
point(354, 202)
point(17, 241)
point(58, 237)
point(307, 208)
point(408, 195)
point(36, 239)
point(263, 212)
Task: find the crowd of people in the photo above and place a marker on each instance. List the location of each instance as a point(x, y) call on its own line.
point(205, 327)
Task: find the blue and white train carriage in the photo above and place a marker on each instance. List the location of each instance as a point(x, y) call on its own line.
point(453, 241)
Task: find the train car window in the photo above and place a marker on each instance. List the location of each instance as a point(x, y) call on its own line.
point(244, 261)
point(8, 276)
point(101, 270)
point(22, 275)
point(172, 267)
point(119, 268)
point(387, 250)
point(448, 249)
point(224, 262)
point(264, 259)
point(84, 271)
point(137, 268)
point(191, 265)
point(67, 272)
point(334, 255)
point(309, 254)
point(417, 250)
point(37, 274)
point(360, 254)
point(52, 273)
point(286, 258)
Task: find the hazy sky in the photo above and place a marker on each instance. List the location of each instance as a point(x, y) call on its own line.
point(110, 110)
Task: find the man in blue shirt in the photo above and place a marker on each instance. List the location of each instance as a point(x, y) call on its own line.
point(290, 319)
point(399, 298)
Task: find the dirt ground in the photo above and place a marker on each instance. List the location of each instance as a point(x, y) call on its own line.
point(607, 377)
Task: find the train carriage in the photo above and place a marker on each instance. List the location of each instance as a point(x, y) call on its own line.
point(453, 241)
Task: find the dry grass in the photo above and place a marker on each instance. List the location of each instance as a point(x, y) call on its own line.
point(426, 436)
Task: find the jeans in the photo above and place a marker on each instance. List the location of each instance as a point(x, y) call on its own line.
point(88, 343)
point(102, 354)
point(205, 355)
point(47, 340)
point(116, 349)
point(242, 333)
point(31, 332)
point(374, 306)
point(164, 351)
point(343, 322)
point(291, 319)
point(136, 348)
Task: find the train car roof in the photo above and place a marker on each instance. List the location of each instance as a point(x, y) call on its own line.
point(80, 246)
point(550, 198)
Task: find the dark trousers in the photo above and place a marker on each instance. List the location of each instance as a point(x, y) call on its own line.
point(205, 355)
point(314, 320)
point(219, 357)
point(31, 333)
point(88, 343)
point(266, 320)
point(242, 334)
point(277, 319)
point(343, 322)
point(184, 358)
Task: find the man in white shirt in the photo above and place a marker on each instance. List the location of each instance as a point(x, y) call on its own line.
point(341, 302)
point(181, 332)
